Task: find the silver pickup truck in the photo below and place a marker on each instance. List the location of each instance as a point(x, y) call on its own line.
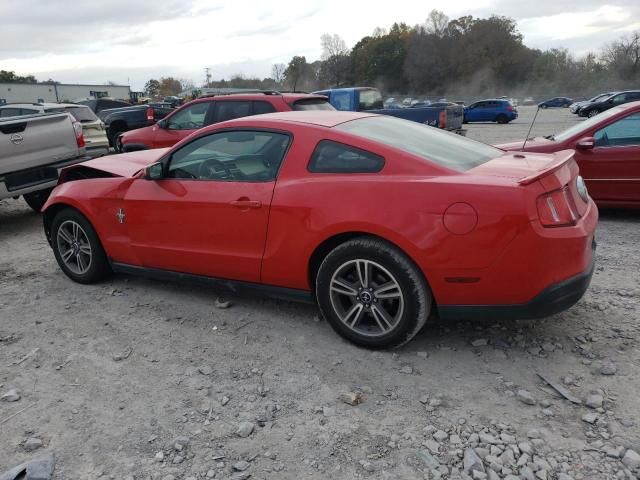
point(33, 149)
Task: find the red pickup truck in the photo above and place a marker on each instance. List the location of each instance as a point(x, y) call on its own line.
point(209, 110)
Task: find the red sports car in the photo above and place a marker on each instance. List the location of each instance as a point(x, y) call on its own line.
point(607, 152)
point(383, 222)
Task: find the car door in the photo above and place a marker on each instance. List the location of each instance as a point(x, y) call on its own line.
point(474, 112)
point(612, 168)
point(181, 124)
point(208, 215)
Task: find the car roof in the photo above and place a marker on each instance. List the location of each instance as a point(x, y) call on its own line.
point(288, 97)
point(327, 118)
point(21, 105)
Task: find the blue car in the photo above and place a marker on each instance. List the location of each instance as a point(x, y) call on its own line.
point(556, 102)
point(492, 110)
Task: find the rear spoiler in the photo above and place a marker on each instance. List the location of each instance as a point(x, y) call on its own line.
point(561, 159)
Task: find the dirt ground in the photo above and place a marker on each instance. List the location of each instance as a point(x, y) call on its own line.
point(140, 379)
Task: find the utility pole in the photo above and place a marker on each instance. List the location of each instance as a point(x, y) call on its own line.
point(208, 76)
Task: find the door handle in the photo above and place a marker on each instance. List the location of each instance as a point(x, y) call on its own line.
point(245, 204)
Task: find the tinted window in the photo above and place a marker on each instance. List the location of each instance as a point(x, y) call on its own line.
point(228, 110)
point(262, 107)
point(312, 104)
point(82, 114)
point(190, 117)
point(237, 156)
point(28, 111)
point(10, 112)
point(625, 131)
point(333, 157)
point(104, 104)
point(444, 148)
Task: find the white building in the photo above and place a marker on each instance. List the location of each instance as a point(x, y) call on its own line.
point(58, 92)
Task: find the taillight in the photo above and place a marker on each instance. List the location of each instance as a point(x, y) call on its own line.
point(557, 209)
point(150, 118)
point(77, 128)
point(442, 119)
point(509, 108)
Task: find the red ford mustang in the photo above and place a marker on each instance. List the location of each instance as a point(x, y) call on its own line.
point(383, 222)
point(607, 152)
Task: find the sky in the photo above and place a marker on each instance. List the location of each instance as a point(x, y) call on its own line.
point(130, 41)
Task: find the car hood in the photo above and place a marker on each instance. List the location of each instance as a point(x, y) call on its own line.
point(137, 132)
point(524, 167)
point(533, 144)
point(126, 164)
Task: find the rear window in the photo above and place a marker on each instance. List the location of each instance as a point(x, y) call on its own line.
point(82, 114)
point(334, 157)
point(370, 100)
point(443, 148)
point(312, 104)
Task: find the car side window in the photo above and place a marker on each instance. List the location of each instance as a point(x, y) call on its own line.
point(10, 112)
point(189, 118)
point(230, 109)
point(620, 98)
point(334, 157)
point(260, 107)
point(232, 156)
point(620, 133)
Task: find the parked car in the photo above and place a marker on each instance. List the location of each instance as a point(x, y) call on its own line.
point(382, 221)
point(33, 148)
point(99, 104)
point(120, 120)
point(95, 137)
point(594, 108)
point(214, 109)
point(576, 106)
point(528, 101)
point(556, 102)
point(491, 110)
point(368, 99)
point(607, 151)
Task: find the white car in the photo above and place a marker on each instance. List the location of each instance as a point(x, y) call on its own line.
point(95, 135)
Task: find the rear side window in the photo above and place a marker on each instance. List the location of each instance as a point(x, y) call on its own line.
point(10, 112)
point(334, 157)
point(262, 107)
point(312, 104)
point(228, 110)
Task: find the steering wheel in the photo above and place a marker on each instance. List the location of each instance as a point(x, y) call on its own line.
point(211, 169)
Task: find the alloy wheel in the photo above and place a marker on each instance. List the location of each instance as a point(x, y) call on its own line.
point(74, 247)
point(366, 297)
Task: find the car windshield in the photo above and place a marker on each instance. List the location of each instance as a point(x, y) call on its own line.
point(81, 114)
point(312, 104)
point(446, 149)
point(585, 125)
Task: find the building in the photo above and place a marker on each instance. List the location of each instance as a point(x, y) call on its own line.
point(58, 92)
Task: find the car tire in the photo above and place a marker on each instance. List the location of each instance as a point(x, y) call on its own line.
point(113, 137)
point(36, 200)
point(464, 120)
point(592, 113)
point(502, 119)
point(77, 247)
point(382, 308)
point(543, 106)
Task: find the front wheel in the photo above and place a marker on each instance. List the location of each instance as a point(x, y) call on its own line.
point(77, 247)
point(36, 200)
point(372, 294)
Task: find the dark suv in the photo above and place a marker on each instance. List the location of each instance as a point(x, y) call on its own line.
point(199, 113)
point(594, 108)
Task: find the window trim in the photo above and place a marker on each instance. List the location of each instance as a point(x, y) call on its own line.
point(344, 172)
point(166, 159)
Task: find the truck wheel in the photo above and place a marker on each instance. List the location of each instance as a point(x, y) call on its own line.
point(36, 200)
point(502, 119)
point(113, 136)
point(372, 294)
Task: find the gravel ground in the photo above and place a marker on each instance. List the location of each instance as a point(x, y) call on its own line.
point(139, 379)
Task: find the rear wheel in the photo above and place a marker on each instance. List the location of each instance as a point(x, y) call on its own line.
point(593, 113)
point(502, 119)
point(77, 247)
point(114, 134)
point(36, 200)
point(372, 294)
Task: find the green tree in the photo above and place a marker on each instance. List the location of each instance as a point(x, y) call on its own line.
point(295, 71)
point(152, 87)
point(169, 86)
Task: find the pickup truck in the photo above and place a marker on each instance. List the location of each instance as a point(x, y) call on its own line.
point(359, 99)
point(33, 150)
point(120, 120)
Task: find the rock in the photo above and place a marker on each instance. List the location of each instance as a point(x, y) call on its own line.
point(525, 397)
point(590, 418)
point(245, 429)
point(422, 354)
point(564, 476)
point(527, 474)
point(542, 474)
point(351, 398)
point(224, 400)
point(479, 342)
point(159, 457)
point(525, 447)
point(479, 475)
point(548, 347)
point(506, 438)
point(40, 468)
point(407, 370)
point(222, 304)
point(631, 459)
point(608, 369)
point(178, 459)
point(487, 438)
point(32, 444)
point(367, 466)
point(594, 400)
point(533, 433)
point(179, 443)
point(205, 370)
point(440, 436)
point(241, 466)
point(491, 475)
point(428, 459)
point(12, 395)
point(472, 462)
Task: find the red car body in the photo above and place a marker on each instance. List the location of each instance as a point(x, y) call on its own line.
point(160, 135)
point(483, 238)
point(607, 150)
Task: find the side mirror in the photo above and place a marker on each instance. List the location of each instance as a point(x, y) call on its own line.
point(161, 124)
point(155, 171)
point(586, 143)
